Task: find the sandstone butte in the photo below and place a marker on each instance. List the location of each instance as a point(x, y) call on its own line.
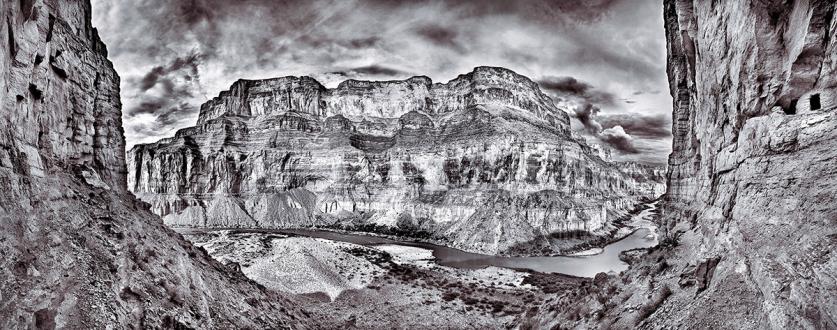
point(484, 163)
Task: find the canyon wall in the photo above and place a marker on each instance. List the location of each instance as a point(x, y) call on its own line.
point(750, 212)
point(485, 162)
point(78, 251)
point(752, 184)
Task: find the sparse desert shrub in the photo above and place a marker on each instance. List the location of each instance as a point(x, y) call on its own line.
point(611, 290)
point(661, 266)
point(532, 312)
point(469, 300)
point(574, 314)
point(449, 296)
point(670, 241)
point(649, 308)
point(626, 279)
point(497, 306)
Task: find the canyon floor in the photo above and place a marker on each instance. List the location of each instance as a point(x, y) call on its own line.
point(344, 283)
point(347, 285)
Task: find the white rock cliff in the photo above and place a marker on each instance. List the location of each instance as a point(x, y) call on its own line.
point(484, 162)
point(750, 216)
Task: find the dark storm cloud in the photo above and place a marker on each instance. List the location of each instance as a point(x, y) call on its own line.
point(159, 74)
point(165, 87)
point(541, 11)
point(164, 93)
point(167, 114)
point(614, 136)
point(362, 42)
point(643, 126)
point(195, 11)
point(364, 72)
point(440, 36)
point(377, 70)
point(636, 93)
point(629, 134)
point(573, 87)
point(621, 131)
point(585, 114)
point(174, 114)
point(618, 139)
point(147, 106)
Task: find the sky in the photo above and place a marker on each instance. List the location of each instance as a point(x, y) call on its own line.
point(604, 59)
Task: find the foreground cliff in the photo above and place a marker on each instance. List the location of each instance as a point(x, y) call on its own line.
point(750, 211)
point(484, 162)
point(76, 249)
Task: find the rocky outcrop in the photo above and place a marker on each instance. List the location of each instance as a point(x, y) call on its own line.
point(749, 216)
point(78, 251)
point(650, 180)
point(750, 182)
point(484, 162)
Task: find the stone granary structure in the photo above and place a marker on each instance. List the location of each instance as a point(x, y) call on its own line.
point(817, 100)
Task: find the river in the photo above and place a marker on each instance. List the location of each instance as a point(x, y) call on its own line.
point(643, 235)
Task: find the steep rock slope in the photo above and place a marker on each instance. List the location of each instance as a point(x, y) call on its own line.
point(76, 249)
point(484, 162)
point(750, 211)
point(650, 179)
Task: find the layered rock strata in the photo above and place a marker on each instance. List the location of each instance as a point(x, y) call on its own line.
point(76, 249)
point(751, 184)
point(484, 162)
point(750, 214)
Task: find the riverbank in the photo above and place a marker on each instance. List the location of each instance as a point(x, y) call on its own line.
point(640, 217)
point(330, 276)
point(358, 273)
point(582, 266)
point(572, 244)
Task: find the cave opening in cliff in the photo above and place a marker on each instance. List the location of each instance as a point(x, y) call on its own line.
point(791, 109)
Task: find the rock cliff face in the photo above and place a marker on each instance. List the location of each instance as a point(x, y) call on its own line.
point(650, 179)
point(750, 211)
point(484, 162)
point(750, 183)
point(78, 251)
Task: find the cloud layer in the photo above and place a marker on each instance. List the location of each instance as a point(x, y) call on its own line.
point(605, 59)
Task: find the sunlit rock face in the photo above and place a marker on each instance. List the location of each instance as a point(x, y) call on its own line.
point(750, 182)
point(43, 71)
point(77, 251)
point(750, 213)
point(484, 162)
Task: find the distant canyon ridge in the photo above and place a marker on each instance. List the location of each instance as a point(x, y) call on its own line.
point(485, 163)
